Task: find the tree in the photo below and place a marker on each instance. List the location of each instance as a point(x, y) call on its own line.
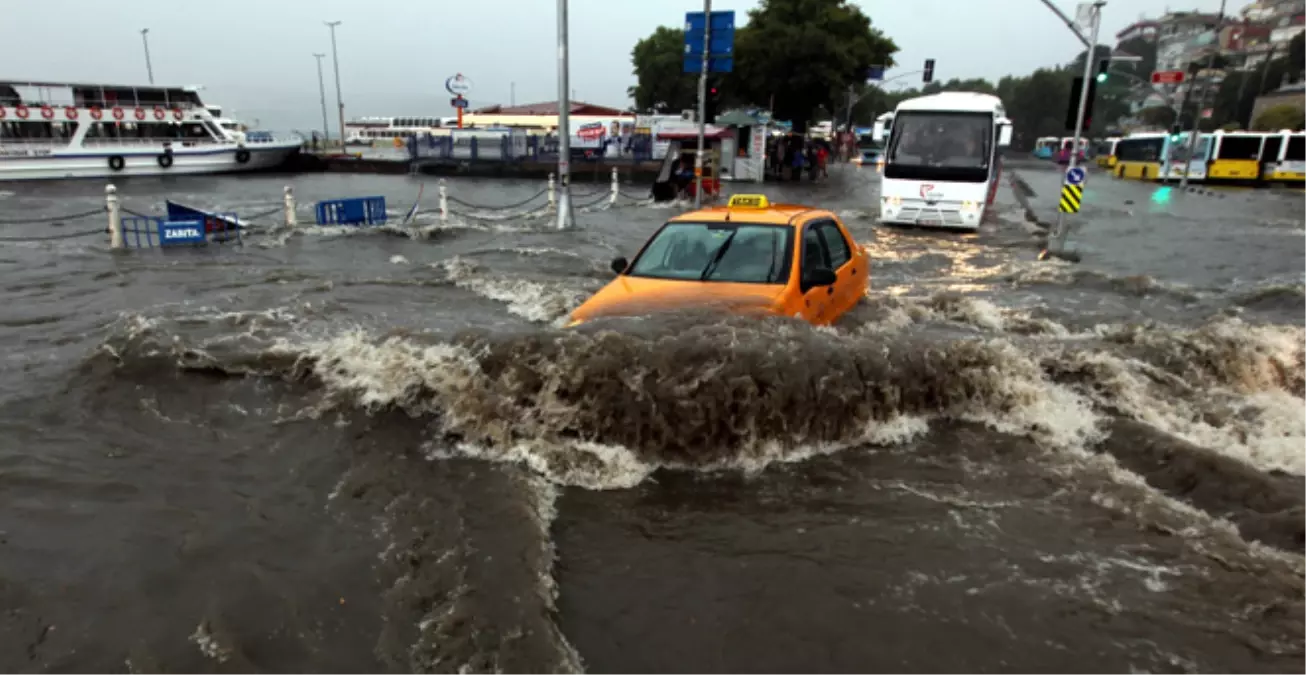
point(1284, 116)
point(805, 53)
point(1156, 116)
point(659, 63)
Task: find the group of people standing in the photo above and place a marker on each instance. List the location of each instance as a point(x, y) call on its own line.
point(791, 156)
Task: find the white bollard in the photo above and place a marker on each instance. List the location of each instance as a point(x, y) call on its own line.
point(616, 188)
point(290, 207)
point(115, 216)
point(553, 195)
point(444, 201)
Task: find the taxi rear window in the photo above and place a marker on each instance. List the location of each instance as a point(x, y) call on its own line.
point(724, 252)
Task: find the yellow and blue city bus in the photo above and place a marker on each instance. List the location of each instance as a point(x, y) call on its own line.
point(1106, 152)
point(1283, 157)
point(1235, 157)
point(1138, 156)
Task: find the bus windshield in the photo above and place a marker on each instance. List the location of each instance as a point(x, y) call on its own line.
point(942, 145)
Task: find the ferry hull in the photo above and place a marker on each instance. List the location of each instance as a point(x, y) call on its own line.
point(87, 163)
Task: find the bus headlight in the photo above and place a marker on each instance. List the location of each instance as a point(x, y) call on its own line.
point(893, 201)
point(969, 206)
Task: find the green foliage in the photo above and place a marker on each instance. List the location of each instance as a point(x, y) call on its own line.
point(662, 86)
point(1284, 116)
point(802, 54)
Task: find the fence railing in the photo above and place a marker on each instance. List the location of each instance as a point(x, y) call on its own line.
point(515, 147)
point(188, 227)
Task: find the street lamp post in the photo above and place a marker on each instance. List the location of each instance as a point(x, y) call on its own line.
point(321, 91)
point(149, 70)
point(1197, 125)
point(566, 217)
point(335, 62)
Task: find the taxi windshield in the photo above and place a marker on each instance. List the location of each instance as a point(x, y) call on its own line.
point(728, 252)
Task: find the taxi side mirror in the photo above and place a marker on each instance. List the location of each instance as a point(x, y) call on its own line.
point(819, 276)
point(619, 265)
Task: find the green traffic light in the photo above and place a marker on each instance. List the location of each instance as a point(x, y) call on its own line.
point(1101, 77)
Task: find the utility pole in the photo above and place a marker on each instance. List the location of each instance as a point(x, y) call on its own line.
point(566, 217)
point(702, 103)
point(149, 70)
point(1060, 233)
point(1197, 132)
point(335, 61)
point(321, 91)
point(512, 93)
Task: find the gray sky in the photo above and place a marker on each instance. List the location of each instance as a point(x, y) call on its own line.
point(255, 56)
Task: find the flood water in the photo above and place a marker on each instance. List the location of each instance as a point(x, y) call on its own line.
point(340, 450)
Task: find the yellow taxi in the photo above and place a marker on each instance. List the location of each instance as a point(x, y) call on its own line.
point(749, 257)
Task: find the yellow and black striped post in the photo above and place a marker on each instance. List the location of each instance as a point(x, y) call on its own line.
point(1071, 197)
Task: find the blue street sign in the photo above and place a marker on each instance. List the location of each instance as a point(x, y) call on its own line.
point(458, 102)
point(875, 73)
point(721, 45)
point(715, 64)
point(1075, 176)
point(172, 232)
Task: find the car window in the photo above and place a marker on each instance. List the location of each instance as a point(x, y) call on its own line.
point(835, 244)
point(729, 252)
point(814, 253)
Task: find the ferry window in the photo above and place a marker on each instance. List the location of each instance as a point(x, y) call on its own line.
point(1239, 147)
point(1296, 149)
point(194, 130)
point(834, 243)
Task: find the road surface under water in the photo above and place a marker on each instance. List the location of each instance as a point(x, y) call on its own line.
point(335, 450)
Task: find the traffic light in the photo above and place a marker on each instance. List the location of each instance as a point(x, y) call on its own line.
point(929, 71)
point(1102, 67)
point(711, 103)
point(1176, 132)
point(1072, 112)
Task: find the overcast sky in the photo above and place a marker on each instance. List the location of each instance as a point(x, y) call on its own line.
point(255, 57)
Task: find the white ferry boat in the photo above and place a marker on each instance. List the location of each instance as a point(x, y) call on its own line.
point(54, 130)
point(369, 130)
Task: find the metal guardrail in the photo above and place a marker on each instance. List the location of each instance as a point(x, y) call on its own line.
point(512, 147)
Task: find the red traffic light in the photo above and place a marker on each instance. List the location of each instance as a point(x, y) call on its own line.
point(713, 90)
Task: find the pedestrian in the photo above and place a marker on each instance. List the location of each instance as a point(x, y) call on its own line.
point(822, 156)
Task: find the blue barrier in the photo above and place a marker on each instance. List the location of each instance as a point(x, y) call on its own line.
point(355, 211)
point(158, 232)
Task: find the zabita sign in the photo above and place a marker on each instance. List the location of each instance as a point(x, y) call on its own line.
point(181, 232)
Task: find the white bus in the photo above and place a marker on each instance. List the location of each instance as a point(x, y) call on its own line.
point(942, 161)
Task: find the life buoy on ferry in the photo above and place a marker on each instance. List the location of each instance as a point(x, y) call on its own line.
point(176, 114)
point(70, 112)
point(140, 113)
point(165, 160)
point(96, 113)
point(47, 112)
point(242, 156)
point(116, 163)
point(21, 112)
point(158, 113)
point(118, 113)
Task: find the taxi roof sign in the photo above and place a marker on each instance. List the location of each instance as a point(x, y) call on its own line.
point(748, 202)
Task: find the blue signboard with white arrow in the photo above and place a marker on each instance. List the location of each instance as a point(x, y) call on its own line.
point(1075, 176)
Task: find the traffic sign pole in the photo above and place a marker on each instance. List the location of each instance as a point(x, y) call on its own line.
point(566, 217)
point(702, 103)
point(1192, 137)
point(1060, 234)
